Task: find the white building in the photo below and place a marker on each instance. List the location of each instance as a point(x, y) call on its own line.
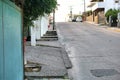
point(104, 4)
point(100, 7)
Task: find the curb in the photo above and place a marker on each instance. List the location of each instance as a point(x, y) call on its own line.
point(47, 45)
point(115, 29)
point(66, 59)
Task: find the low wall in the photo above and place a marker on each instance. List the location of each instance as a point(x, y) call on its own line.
point(90, 18)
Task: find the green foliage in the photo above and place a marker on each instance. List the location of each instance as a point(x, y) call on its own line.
point(88, 13)
point(113, 13)
point(35, 8)
point(76, 15)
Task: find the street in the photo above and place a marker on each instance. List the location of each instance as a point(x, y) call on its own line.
point(93, 50)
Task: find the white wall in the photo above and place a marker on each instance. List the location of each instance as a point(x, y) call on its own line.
point(44, 25)
point(98, 5)
point(39, 29)
point(107, 4)
point(111, 4)
point(33, 34)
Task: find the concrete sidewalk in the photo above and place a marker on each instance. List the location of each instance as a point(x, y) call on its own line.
point(51, 56)
point(114, 29)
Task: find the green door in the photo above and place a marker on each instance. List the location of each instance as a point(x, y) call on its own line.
point(1, 45)
point(11, 56)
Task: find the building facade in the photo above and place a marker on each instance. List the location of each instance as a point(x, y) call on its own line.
point(99, 8)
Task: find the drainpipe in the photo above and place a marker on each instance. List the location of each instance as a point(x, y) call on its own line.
point(84, 10)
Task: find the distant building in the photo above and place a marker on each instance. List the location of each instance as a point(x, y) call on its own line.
point(99, 8)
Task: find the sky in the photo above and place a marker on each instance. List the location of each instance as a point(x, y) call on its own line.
point(64, 8)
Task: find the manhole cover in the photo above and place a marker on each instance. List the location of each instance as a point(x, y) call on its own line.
point(104, 72)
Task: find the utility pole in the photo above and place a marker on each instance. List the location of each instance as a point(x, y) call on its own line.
point(84, 10)
point(84, 6)
point(71, 12)
point(54, 19)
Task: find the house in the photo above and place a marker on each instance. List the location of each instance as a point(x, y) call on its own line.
point(99, 8)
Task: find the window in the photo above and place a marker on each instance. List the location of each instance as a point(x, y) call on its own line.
point(116, 1)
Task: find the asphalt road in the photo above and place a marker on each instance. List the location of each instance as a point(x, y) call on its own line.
point(94, 51)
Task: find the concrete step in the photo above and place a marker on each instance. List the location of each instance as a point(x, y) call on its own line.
point(51, 32)
point(48, 39)
point(50, 35)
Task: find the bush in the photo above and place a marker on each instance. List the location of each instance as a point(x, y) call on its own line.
point(113, 13)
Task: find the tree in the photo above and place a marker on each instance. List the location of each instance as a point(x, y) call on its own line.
point(35, 8)
point(113, 13)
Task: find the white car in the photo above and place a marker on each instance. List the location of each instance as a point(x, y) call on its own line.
point(79, 19)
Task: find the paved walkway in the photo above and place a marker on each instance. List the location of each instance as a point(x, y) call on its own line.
point(50, 56)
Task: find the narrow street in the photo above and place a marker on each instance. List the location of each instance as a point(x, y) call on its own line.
point(93, 50)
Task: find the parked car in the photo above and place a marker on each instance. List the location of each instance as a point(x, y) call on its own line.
point(79, 19)
point(74, 20)
point(69, 20)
